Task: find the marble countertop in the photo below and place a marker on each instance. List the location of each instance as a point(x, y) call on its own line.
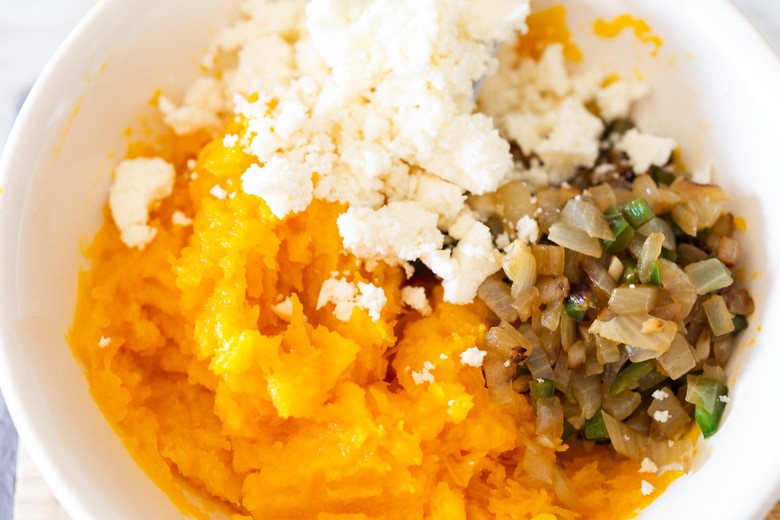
point(30, 32)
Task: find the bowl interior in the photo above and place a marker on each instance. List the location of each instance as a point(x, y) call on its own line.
point(717, 96)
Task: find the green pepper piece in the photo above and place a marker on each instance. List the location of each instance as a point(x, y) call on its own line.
point(628, 378)
point(630, 272)
point(740, 322)
point(661, 175)
point(638, 212)
point(541, 388)
point(595, 429)
point(620, 227)
point(655, 274)
point(709, 422)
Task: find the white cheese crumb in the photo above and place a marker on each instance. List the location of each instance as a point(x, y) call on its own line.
point(284, 309)
point(424, 375)
point(645, 150)
point(180, 219)
point(647, 488)
point(218, 192)
point(230, 140)
point(104, 342)
point(527, 230)
point(660, 395)
point(723, 398)
point(472, 357)
point(139, 186)
point(346, 296)
point(285, 186)
point(661, 415)
point(443, 356)
point(415, 298)
point(648, 466)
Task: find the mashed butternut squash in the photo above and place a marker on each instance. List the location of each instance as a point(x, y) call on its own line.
point(271, 415)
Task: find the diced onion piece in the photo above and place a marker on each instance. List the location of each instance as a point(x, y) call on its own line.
point(563, 488)
point(679, 359)
point(669, 415)
point(657, 336)
point(496, 295)
point(703, 391)
point(739, 301)
point(599, 276)
point(645, 186)
point(519, 264)
point(508, 342)
point(607, 351)
point(685, 219)
point(539, 364)
point(549, 417)
point(587, 391)
point(550, 259)
point(634, 300)
point(525, 302)
point(709, 275)
point(625, 440)
point(622, 404)
point(671, 455)
point(729, 250)
point(538, 463)
point(575, 356)
point(603, 195)
point(651, 250)
point(679, 286)
point(690, 190)
point(587, 217)
point(720, 319)
point(570, 237)
point(659, 225)
point(513, 201)
point(707, 211)
point(616, 268)
point(498, 379)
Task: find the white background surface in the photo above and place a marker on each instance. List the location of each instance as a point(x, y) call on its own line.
point(30, 31)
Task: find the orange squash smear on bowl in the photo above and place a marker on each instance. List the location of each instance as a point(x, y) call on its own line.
point(341, 291)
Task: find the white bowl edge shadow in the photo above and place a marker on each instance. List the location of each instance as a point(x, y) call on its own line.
point(38, 277)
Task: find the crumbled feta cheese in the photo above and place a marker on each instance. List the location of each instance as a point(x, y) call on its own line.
point(346, 296)
point(218, 192)
point(723, 398)
point(229, 140)
point(527, 230)
point(472, 357)
point(104, 342)
point(284, 309)
point(415, 298)
point(286, 187)
point(648, 466)
point(645, 150)
point(424, 375)
point(660, 395)
point(647, 488)
point(661, 415)
point(180, 219)
point(615, 99)
point(443, 356)
point(139, 186)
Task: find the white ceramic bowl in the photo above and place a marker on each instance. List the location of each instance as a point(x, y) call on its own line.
point(716, 89)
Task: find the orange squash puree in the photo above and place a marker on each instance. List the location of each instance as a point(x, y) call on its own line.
point(262, 416)
point(546, 27)
point(642, 30)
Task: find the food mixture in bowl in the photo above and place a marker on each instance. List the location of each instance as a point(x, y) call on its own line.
point(347, 287)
